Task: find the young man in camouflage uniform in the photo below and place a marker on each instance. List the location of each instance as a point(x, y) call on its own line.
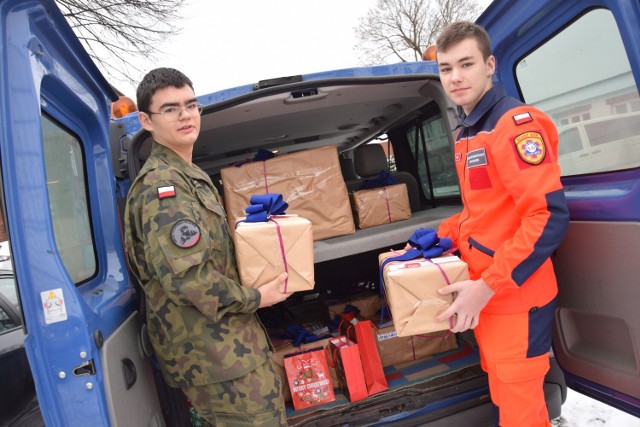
point(203, 325)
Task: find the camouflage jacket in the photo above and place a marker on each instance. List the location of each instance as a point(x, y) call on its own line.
point(202, 323)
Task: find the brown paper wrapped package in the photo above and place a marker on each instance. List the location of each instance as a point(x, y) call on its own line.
point(411, 289)
point(259, 254)
point(368, 302)
point(381, 205)
point(394, 349)
point(310, 182)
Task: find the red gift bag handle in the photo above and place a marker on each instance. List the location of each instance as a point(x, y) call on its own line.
point(349, 328)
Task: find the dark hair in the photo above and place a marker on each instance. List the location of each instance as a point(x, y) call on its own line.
point(159, 78)
point(456, 32)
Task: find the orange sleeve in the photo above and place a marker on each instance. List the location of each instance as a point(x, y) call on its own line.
point(539, 199)
point(450, 228)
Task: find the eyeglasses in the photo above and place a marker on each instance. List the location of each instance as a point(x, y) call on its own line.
point(172, 114)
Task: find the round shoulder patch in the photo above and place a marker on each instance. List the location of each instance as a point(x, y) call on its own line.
point(185, 233)
point(530, 147)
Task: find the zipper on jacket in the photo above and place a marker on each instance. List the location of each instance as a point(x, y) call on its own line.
point(464, 179)
point(485, 250)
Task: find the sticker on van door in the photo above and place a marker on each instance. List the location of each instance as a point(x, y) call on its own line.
point(53, 305)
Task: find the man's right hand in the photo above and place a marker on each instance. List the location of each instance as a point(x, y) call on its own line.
point(270, 292)
point(472, 296)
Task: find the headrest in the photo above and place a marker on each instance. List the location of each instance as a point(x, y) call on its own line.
point(144, 150)
point(347, 168)
point(370, 159)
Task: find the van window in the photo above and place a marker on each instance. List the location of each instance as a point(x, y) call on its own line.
point(6, 322)
point(589, 92)
point(64, 163)
point(621, 128)
point(442, 169)
point(8, 295)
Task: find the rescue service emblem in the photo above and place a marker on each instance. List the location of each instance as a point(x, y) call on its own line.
point(530, 147)
point(185, 233)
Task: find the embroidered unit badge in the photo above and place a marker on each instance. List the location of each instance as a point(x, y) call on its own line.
point(185, 233)
point(530, 147)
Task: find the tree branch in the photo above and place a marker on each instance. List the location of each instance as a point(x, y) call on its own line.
point(400, 30)
point(122, 30)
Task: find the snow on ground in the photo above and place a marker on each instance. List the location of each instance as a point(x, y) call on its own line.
point(582, 411)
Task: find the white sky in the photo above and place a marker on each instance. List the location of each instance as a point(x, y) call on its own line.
point(231, 43)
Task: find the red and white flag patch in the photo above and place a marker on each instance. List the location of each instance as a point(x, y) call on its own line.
point(168, 191)
point(522, 118)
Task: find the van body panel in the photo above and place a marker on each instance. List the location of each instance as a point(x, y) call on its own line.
point(55, 111)
point(596, 333)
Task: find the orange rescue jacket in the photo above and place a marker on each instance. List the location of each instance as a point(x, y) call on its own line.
point(514, 211)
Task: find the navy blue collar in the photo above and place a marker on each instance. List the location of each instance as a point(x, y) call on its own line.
point(491, 98)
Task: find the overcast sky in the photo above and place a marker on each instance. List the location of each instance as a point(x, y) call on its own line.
point(227, 44)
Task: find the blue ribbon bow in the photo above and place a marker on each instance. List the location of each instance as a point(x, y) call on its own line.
point(261, 154)
point(301, 335)
point(383, 179)
point(425, 243)
point(263, 206)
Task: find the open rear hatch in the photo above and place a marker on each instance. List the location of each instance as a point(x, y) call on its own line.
point(403, 104)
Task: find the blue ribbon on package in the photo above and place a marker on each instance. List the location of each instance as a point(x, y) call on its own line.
point(264, 206)
point(301, 335)
point(383, 179)
point(263, 154)
point(260, 155)
point(425, 243)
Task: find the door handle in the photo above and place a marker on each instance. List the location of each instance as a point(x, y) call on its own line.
point(129, 372)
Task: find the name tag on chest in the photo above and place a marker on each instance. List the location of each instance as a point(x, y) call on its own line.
point(476, 158)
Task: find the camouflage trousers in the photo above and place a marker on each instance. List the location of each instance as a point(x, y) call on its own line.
point(252, 400)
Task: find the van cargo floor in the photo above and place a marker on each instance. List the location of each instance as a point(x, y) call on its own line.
point(412, 385)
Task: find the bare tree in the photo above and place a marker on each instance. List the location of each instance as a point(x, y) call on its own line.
point(400, 30)
point(115, 32)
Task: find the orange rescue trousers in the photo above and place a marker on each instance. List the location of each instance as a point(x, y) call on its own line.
point(515, 377)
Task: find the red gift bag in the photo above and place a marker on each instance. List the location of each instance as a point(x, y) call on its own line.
point(309, 378)
point(346, 326)
point(371, 363)
point(345, 358)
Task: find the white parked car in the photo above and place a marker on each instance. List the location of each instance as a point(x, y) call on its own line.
point(5, 256)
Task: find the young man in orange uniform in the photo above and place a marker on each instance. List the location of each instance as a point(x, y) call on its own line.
point(514, 217)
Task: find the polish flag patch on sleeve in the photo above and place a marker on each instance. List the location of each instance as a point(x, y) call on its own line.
point(522, 118)
point(164, 192)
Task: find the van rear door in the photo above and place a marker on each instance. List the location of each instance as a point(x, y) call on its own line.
point(60, 211)
point(579, 61)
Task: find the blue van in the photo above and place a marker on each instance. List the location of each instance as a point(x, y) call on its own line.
point(66, 167)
